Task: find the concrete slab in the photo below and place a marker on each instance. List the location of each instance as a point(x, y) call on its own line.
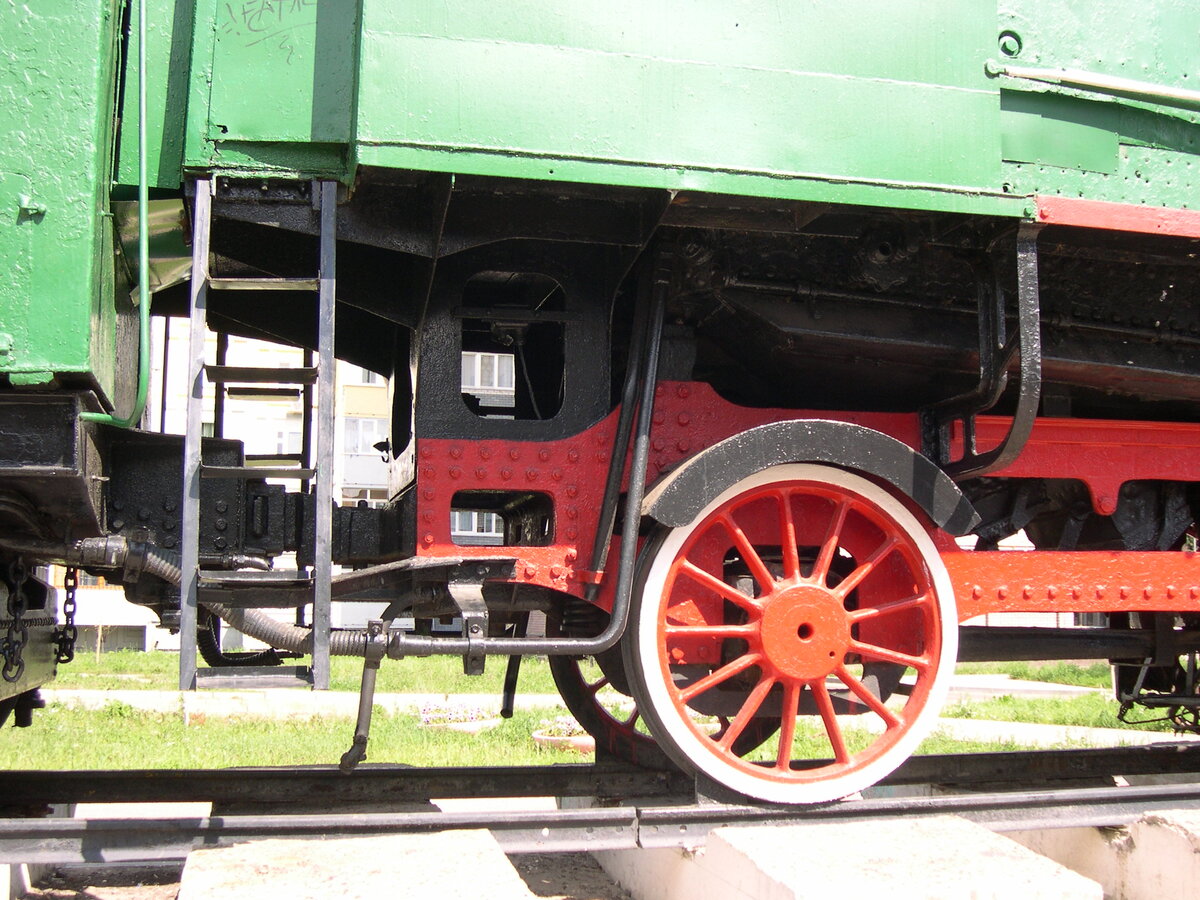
point(1158, 856)
point(912, 859)
point(453, 865)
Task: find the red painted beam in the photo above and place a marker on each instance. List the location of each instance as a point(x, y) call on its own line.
point(1054, 210)
point(1082, 581)
point(1102, 453)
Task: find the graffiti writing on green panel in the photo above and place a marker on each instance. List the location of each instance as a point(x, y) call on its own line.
point(284, 71)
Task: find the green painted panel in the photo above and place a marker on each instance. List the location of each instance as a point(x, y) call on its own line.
point(1058, 131)
point(168, 59)
point(1069, 151)
point(284, 71)
point(17, 221)
point(852, 91)
point(57, 71)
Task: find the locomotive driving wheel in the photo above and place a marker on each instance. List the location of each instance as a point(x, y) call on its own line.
point(793, 601)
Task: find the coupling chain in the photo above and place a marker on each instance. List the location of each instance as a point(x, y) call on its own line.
point(64, 638)
point(17, 635)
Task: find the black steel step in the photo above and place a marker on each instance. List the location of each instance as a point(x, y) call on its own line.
point(256, 590)
point(257, 472)
point(260, 374)
point(264, 284)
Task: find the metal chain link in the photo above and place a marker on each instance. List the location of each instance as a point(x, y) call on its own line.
point(17, 635)
point(64, 638)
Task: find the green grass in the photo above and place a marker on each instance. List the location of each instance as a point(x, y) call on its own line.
point(1098, 674)
point(1090, 711)
point(158, 670)
point(121, 737)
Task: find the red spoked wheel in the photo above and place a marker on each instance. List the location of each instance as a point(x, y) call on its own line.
point(796, 600)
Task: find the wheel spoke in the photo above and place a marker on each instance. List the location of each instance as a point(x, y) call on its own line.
point(787, 538)
point(712, 679)
point(864, 694)
point(717, 586)
point(746, 713)
point(832, 727)
point(920, 663)
point(855, 578)
point(920, 601)
point(787, 726)
point(833, 536)
point(595, 687)
point(749, 555)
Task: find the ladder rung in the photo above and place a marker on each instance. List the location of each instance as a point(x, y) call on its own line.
point(264, 284)
point(256, 472)
point(263, 393)
point(267, 458)
point(233, 678)
point(258, 577)
point(259, 375)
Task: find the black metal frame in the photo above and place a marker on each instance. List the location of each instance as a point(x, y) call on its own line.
point(997, 353)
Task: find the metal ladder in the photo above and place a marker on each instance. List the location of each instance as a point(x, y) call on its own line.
point(314, 586)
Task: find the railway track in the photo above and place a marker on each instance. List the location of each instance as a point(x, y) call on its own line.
point(108, 840)
point(280, 802)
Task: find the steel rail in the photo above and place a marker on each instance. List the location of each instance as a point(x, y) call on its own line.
point(607, 828)
point(383, 786)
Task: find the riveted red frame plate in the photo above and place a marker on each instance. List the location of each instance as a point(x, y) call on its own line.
point(690, 417)
point(1081, 581)
point(1103, 454)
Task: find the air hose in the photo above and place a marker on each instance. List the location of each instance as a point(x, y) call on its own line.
point(113, 552)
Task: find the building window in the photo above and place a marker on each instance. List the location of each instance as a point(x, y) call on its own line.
point(472, 526)
point(362, 434)
point(369, 377)
point(487, 373)
point(376, 498)
point(287, 442)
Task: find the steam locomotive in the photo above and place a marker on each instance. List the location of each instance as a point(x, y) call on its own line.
point(803, 309)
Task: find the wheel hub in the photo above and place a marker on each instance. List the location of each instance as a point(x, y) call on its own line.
point(805, 632)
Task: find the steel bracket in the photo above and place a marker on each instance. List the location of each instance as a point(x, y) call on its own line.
point(467, 594)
